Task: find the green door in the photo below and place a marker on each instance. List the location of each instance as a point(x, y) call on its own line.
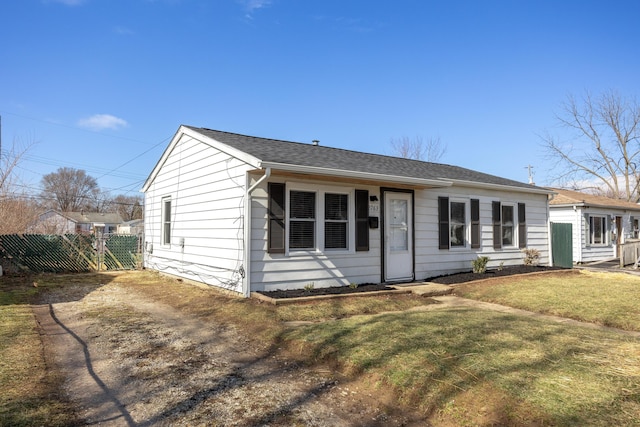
point(561, 245)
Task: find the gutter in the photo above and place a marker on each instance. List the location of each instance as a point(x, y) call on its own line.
point(246, 282)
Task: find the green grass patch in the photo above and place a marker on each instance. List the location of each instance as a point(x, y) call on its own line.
point(541, 372)
point(603, 298)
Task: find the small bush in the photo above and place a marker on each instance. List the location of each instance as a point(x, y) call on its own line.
point(353, 285)
point(309, 286)
point(479, 264)
point(531, 256)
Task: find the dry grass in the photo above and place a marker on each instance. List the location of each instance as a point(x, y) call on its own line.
point(539, 372)
point(30, 392)
point(458, 366)
point(603, 298)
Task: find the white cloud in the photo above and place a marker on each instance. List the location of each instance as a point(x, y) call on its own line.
point(251, 6)
point(102, 122)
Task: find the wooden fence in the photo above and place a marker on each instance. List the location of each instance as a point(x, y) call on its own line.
point(52, 253)
point(630, 252)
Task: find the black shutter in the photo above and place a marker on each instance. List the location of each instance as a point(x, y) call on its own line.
point(475, 223)
point(362, 220)
point(276, 224)
point(522, 226)
point(497, 224)
point(443, 222)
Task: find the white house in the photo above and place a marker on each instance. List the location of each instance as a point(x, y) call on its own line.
point(54, 222)
point(251, 214)
point(599, 224)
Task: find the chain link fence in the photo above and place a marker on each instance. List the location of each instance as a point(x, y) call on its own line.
point(53, 253)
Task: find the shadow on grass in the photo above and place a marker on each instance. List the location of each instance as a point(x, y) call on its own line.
point(433, 358)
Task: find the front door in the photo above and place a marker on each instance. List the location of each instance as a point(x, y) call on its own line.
point(398, 236)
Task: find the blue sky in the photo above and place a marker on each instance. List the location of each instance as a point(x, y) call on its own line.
point(102, 85)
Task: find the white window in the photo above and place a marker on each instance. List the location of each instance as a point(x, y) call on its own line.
point(336, 221)
point(166, 221)
point(507, 225)
point(302, 220)
point(458, 224)
point(597, 230)
point(320, 219)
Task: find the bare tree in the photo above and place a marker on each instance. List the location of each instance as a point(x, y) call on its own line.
point(72, 189)
point(604, 150)
point(129, 207)
point(432, 150)
point(17, 210)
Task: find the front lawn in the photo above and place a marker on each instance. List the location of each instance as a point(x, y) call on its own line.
point(455, 366)
point(609, 299)
point(476, 367)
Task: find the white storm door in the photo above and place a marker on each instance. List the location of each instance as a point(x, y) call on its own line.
point(398, 236)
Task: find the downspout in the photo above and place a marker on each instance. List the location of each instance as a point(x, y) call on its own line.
point(550, 197)
point(246, 283)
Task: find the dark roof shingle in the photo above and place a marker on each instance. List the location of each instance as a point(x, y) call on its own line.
point(301, 154)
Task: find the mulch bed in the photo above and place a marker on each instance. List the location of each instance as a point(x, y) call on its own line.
point(297, 293)
point(453, 279)
point(449, 279)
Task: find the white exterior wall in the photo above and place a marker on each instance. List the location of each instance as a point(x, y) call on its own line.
point(322, 268)
point(327, 268)
point(207, 190)
point(583, 252)
point(431, 261)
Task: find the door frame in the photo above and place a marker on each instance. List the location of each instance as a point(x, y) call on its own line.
point(383, 222)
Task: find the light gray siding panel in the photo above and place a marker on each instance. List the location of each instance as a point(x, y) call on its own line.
point(207, 197)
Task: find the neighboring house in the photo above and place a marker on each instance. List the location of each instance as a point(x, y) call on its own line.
point(54, 222)
point(599, 224)
point(255, 214)
point(135, 226)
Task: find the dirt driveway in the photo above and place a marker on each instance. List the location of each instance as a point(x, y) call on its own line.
point(131, 361)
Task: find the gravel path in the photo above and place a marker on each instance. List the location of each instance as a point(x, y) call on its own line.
point(132, 362)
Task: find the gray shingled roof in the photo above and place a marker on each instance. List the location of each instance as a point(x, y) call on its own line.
point(306, 154)
point(94, 217)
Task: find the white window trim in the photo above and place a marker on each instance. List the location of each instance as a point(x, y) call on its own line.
point(605, 232)
point(467, 224)
point(319, 230)
point(163, 239)
point(516, 237)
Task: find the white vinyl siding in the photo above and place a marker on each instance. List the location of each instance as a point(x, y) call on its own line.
point(324, 266)
point(432, 261)
point(206, 189)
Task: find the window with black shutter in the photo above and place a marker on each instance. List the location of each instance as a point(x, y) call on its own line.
point(496, 218)
point(276, 225)
point(443, 222)
point(475, 223)
point(522, 226)
point(362, 220)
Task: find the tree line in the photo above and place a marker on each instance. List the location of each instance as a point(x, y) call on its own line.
point(65, 190)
